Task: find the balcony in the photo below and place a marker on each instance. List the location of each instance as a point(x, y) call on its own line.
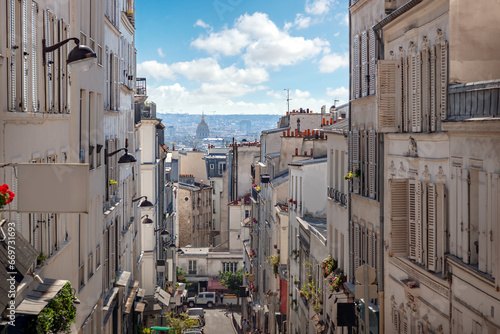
point(474, 100)
point(255, 195)
point(337, 196)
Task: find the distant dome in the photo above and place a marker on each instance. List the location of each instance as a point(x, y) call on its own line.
point(202, 131)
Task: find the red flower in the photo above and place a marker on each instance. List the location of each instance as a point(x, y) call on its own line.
point(4, 188)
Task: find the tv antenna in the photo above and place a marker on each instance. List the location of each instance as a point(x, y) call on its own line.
point(288, 98)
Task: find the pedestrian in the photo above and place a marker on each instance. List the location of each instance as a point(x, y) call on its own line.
point(222, 297)
point(246, 326)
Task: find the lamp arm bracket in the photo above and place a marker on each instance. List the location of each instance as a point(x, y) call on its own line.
point(57, 46)
point(113, 153)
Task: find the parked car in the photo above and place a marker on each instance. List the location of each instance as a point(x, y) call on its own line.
point(197, 311)
point(203, 298)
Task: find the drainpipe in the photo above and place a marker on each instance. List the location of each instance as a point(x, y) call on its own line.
point(381, 226)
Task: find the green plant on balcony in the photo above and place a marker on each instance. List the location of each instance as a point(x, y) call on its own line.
point(113, 182)
point(351, 174)
point(313, 294)
point(274, 260)
point(40, 260)
point(328, 265)
point(336, 281)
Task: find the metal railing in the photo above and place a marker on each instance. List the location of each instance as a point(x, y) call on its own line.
point(474, 100)
point(337, 196)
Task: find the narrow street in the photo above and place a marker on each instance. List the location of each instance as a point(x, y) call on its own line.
point(217, 322)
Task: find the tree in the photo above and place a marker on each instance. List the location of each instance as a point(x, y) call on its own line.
point(232, 281)
point(179, 322)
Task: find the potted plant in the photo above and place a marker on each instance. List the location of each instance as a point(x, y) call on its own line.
point(40, 260)
point(274, 260)
point(113, 182)
point(6, 196)
point(328, 265)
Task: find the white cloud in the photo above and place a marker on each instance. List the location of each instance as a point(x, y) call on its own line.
point(333, 61)
point(302, 22)
point(261, 41)
point(200, 23)
point(301, 94)
point(274, 94)
point(155, 69)
point(341, 94)
point(319, 7)
point(160, 52)
point(337, 34)
point(342, 18)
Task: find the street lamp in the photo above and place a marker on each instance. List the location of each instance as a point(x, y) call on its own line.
point(147, 220)
point(126, 159)
point(145, 203)
point(80, 58)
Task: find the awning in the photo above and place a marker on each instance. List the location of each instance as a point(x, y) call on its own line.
point(35, 302)
point(123, 279)
point(131, 298)
point(214, 285)
point(162, 296)
point(139, 307)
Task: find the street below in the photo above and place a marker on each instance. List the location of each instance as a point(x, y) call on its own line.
point(217, 322)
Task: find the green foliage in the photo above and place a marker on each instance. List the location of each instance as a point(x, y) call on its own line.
point(57, 316)
point(143, 330)
point(180, 323)
point(274, 260)
point(232, 281)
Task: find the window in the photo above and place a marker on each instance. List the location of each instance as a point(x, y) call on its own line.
point(90, 265)
point(363, 153)
point(192, 267)
point(417, 221)
point(247, 213)
point(212, 166)
point(81, 276)
point(222, 167)
point(229, 266)
point(97, 257)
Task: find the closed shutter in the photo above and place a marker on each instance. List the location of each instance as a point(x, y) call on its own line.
point(351, 251)
point(49, 75)
point(431, 227)
point(454, 223)
point(106, 260)
point(405, 326)
point(12, 91)
point(395, 319)
point(415, 91)
point(399, 217)
point(412, 218)
point(441, 225)
point(355, 66)
point(464, 208)
point(117, 82)
point(406, 95)
point(350, 161)
point(483, 221)
point(355, 160)
point(364, 63)
point(25, 55)
point(372, 140)
point(63, 75)
point(425, 90)
point(373, 60)
point(112, 251)
point(494, 210)
point(57, 73)
point(387, 91)
point(432, 92)
point(357, 246)
point(365, 163)
point(34, 57)
point(443, 78)
point(373, 250)
point(420, 328)
point(106, 88)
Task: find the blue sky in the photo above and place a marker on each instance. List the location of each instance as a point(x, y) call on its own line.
point(238, 56)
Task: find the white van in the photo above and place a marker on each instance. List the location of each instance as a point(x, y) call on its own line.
point(203, 298)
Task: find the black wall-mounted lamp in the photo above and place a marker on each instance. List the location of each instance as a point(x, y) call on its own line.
point(126, 158)
point(145, 203)
point(80, 58)
point(147, 220)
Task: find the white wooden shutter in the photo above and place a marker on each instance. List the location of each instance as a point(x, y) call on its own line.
point(373, 61)
point(34, 57)
point(406, 96)
point(107, 83)
point(420, 328)
point(386, 97)
point(483, 221)
point(494, 210)
point(25, 55)
point(373, 250)
point(432, 92)
point(49, 75)
point(454, 223)
point(57, 67)
point(350, 161)
point(441, 225)
point(464, 208)
point(372, 149)
point(112, 236)
point(355, 66)
point(405, 326)
point(106, 260)
point(399, 217)
point(365, 164)
point(412, 219)
point(418, 226)
point(351, 251)
point(443, 78)
point(395, 320)
point(425, 90)
point(12, 54)
point(431, 227)
point(357, 246)
point(364, 63)
point(415, 91)
point(355, 160)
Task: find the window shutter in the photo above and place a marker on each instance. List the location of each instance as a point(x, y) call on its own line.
point(420, 328)
point(441, 228)
point(364, 63)
point(112, 251)
point(49, 102)
point(373, 59)
point(483, 221)
point(399, 217)
point(464, 208)
point(355, 66)
point(406, 329)
point(57, 73)
point(412, 217)
point(387, 102)
point(355, 159)
point(425, 90)
point(351, 251)
point(365, 164)
point(454, 223)
point(373, 250)
point(24, 55)
point(357, 244)
point(406, 92)
point(350, 158)
point(106, 260)
point(12, 58)
point(395, 320)
point(431, 227)
point(34, 57)
point(432, 92)
point(443, 78)
point(415, 91)
point(372, 140)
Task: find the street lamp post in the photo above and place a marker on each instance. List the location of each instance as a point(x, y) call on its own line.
point(80, 58)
